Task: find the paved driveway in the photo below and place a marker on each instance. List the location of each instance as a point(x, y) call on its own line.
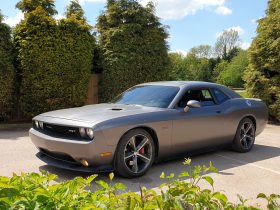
point(245, 174)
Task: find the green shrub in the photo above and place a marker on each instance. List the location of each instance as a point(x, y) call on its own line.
point(55, 57)
point(35, 191)
point(133, 45)
point(7, 71)
point(233, 73)
point(263, 73)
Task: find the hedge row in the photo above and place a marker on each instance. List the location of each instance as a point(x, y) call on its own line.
point(55, 57)
point(7, 70)
point(38, 191)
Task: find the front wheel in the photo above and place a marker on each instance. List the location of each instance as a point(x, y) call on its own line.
point(135, 154)
point(245, 136)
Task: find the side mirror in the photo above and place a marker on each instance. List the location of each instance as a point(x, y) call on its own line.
point(192, 104)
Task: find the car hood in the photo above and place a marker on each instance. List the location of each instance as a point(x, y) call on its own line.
point(99, 112)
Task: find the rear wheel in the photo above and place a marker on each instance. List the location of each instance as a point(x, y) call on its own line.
point(135, 154)
point(245, 136)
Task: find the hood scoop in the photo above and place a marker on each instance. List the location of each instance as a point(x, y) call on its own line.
point(116, 109)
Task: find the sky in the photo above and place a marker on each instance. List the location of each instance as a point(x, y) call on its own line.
point(190, 22)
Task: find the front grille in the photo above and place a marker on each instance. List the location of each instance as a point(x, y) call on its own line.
point(58, 156)
point(60, 131)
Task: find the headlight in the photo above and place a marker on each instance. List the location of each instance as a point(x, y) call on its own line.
point(36, 123)
point(41, 124)
point(90, 133)
point(82, 132)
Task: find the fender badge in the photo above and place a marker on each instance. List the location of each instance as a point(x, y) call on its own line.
point(248, 103)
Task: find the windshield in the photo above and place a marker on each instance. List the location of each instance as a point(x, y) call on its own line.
point(150, 95)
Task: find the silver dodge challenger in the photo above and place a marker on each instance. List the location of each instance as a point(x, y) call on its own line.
point(147, 123)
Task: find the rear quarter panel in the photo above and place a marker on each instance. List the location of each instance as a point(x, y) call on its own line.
point(239, 108)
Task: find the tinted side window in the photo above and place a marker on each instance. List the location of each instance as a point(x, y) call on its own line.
point(221, 97)
point(202, 95)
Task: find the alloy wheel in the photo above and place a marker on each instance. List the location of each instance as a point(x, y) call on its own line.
point(138, 153)
point(247, 135)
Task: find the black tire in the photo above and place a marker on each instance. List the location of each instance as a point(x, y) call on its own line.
point(245, 136)
point(133, 160)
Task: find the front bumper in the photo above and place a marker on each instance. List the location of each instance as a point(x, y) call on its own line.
point(72, 166)
point(69, 153)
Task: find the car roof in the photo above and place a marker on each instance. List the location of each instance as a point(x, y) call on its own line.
point(194, 84)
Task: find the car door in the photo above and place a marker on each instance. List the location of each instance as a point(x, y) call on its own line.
point(199, 127)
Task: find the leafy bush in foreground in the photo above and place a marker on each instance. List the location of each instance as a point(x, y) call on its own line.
point(34, 191)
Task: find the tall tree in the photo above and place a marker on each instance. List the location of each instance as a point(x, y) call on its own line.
point(202, 51)
point(6, 70)
point(74, 8)
point(226, 43)
point(263, 73)
point(134, 47)
point(55, 56)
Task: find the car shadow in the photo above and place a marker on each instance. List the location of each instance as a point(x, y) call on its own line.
point(222, 159)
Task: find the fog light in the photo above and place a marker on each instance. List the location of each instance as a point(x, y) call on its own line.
point(90, 133)
point(82, 132)
point(84, 163)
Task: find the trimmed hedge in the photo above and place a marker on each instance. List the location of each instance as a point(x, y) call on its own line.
point(133, 45)
point(7, 71)
point(55, 57)
point(35, 191)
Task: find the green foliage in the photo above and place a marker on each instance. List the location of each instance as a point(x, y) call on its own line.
point(230, 74)
point(198, 68)
point(202, 51)
point(133, 44)
point(55, 57)
point(218, 69)
point(38, 191)
point(194, 66)
point(7, 70)
point(263, 73)
point(177, 67)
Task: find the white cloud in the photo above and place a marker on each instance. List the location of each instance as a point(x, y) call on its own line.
point(59, 16)
point(180, 51)
point(223, 10)
point(12, 21)
point(177, 9)
point(236, 28)
point(244, 45)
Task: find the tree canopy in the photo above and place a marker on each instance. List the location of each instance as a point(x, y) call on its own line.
point(226, 44)
point(263, 74)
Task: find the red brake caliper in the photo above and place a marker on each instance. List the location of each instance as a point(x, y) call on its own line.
point(142, 150)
